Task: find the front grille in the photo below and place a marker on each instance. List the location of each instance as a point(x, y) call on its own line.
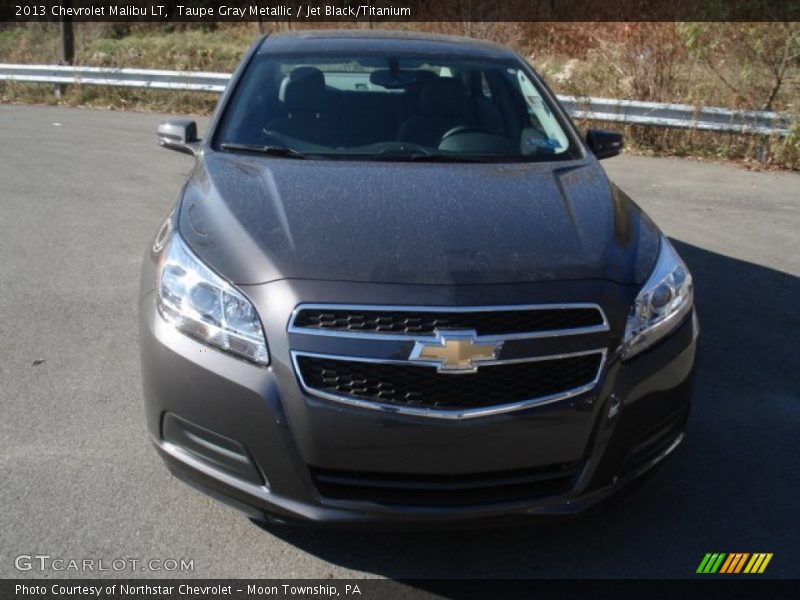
point(393, 489)
point(424, 387)
point(492, 322)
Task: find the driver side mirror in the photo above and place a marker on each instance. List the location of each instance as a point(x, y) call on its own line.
point(604, 143)
point(179, 135)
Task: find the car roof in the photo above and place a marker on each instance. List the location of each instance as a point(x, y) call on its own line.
point(381, 40)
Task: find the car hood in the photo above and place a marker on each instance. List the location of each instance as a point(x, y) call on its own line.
point(256, 219)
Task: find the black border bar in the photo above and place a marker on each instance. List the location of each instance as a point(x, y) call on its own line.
point(707, 588)
point(380, 11)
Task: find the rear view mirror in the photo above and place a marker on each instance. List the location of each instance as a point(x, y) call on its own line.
point(180, 135)
point(604, 143)
point(392, 80)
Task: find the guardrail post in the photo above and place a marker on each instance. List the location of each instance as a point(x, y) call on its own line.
point(762, 150)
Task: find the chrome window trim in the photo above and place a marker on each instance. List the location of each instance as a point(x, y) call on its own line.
point(454, 414)
point(291, 328)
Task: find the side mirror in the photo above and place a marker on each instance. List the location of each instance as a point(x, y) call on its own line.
point(604, 143)
point(180, 135)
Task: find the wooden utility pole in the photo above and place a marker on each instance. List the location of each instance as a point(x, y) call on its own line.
point(67, 44)
point(67, 37)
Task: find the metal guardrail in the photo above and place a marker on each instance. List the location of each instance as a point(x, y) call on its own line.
point(196, 81)
point(680, 116)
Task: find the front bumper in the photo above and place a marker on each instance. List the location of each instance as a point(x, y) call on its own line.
point(616, 433)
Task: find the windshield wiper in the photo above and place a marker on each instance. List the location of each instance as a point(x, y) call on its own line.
point(269, 150)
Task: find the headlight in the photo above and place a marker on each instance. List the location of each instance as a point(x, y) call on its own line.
point(200, 303)
point(664, 300)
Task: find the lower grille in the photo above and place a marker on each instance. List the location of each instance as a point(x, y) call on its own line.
point(424, 387)
point(392, 489)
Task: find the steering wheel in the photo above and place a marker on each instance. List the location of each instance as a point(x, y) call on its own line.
point(459, 129)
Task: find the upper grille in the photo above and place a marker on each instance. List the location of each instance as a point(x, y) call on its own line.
point(421, 322)
point(424, 387)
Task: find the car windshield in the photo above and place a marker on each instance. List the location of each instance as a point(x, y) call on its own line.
point(391, 107)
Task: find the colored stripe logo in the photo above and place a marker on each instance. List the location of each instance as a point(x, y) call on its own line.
point(734, 563)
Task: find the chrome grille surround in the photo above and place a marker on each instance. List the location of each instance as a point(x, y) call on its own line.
point(375, 404)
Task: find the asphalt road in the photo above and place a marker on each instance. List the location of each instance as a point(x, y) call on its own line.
point(81, 193)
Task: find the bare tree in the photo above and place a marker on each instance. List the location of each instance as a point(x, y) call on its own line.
point(753, 60)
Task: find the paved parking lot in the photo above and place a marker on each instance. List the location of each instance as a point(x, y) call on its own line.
point(81, 192)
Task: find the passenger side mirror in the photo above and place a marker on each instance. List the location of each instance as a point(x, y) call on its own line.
point(604, 143)
point(180, 135)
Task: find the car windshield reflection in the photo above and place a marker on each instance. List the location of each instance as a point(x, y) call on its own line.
point(393, 108)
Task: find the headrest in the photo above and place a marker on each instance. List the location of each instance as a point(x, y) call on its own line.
point(303, 90)
point(442, 96)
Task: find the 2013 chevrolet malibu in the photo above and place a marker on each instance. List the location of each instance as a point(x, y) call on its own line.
point(398, 286)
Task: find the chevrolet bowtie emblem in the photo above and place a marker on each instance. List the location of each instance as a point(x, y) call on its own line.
point(455, 352)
